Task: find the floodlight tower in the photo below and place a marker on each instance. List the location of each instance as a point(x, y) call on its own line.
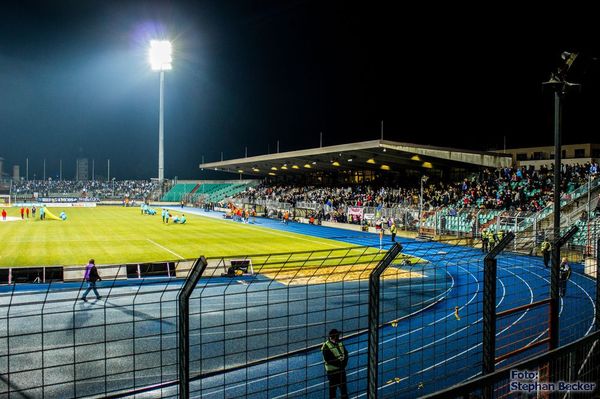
point(559, 87)
point(160, 60)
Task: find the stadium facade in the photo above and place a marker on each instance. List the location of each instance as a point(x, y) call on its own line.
point(544, 155)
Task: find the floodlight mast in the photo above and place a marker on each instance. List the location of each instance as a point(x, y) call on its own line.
point(160, 60)
point(560, 87)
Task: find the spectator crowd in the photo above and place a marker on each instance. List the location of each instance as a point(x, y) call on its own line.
point(133, 189)
point(515, 189)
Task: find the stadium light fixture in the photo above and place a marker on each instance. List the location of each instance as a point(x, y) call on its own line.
point(371, 160)
point(160, 57)
point(273, 167)
point(284, 167)
point(335, 163)
point(427, 165)
point(307, 166)
point(271, 174)
point(415, 158)
point(295, 167)
point(349, 159)
point(385, 167)
point(255, 170)
point(240, 170)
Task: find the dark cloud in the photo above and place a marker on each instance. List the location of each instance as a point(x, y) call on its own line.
point(74, 80)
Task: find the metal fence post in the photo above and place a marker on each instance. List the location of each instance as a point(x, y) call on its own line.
point(489, 303)
point(598, 285)
point(373, 348)
point(184, 325)
point(554, 283)
point(489, 314)
point(489, 307)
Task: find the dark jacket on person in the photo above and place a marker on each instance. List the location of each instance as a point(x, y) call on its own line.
point(331, 359)
point(92, 275)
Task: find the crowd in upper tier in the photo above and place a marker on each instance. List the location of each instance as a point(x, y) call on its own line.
point(134, 189)
point(516, 188)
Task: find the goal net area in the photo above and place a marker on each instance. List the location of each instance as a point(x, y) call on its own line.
point(238, 267)
point(5, 200)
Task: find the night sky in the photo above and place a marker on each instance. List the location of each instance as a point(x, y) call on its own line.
point(75, 81)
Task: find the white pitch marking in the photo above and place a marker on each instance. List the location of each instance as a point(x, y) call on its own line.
point(165, 248)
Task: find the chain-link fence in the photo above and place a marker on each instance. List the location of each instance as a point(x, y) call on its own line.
point(256, 324)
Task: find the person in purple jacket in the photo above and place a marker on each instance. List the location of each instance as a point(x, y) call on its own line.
point(91, 276)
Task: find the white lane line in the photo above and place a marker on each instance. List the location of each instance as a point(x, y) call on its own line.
point(165, 248)
point(394, 338)
point(358, 350)
point(418, 329)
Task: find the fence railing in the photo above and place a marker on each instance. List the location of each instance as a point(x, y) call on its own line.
point(577, 361)
point(254, 325)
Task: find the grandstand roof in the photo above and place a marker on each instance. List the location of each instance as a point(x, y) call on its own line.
point(365, 155)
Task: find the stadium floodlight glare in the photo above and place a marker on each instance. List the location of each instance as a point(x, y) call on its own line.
point(284, 167)
point(160, 60)
point(295, 167)
point(160, 55)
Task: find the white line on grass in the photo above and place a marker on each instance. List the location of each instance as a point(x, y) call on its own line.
point(270, 230)
point(165, 248)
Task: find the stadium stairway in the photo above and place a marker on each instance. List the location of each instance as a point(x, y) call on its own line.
point(217, 192)
point(176, 193)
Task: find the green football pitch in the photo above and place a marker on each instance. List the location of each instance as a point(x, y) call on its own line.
point(123, 235)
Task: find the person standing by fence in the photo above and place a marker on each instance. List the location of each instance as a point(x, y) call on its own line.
point(546, 247)
point(484, 241)
point(564, 275)
point(335, 356)
point(91, 276)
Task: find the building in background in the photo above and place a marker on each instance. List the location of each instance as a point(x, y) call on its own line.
point(539, 156)
point(81, 171)
point(16, 173)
